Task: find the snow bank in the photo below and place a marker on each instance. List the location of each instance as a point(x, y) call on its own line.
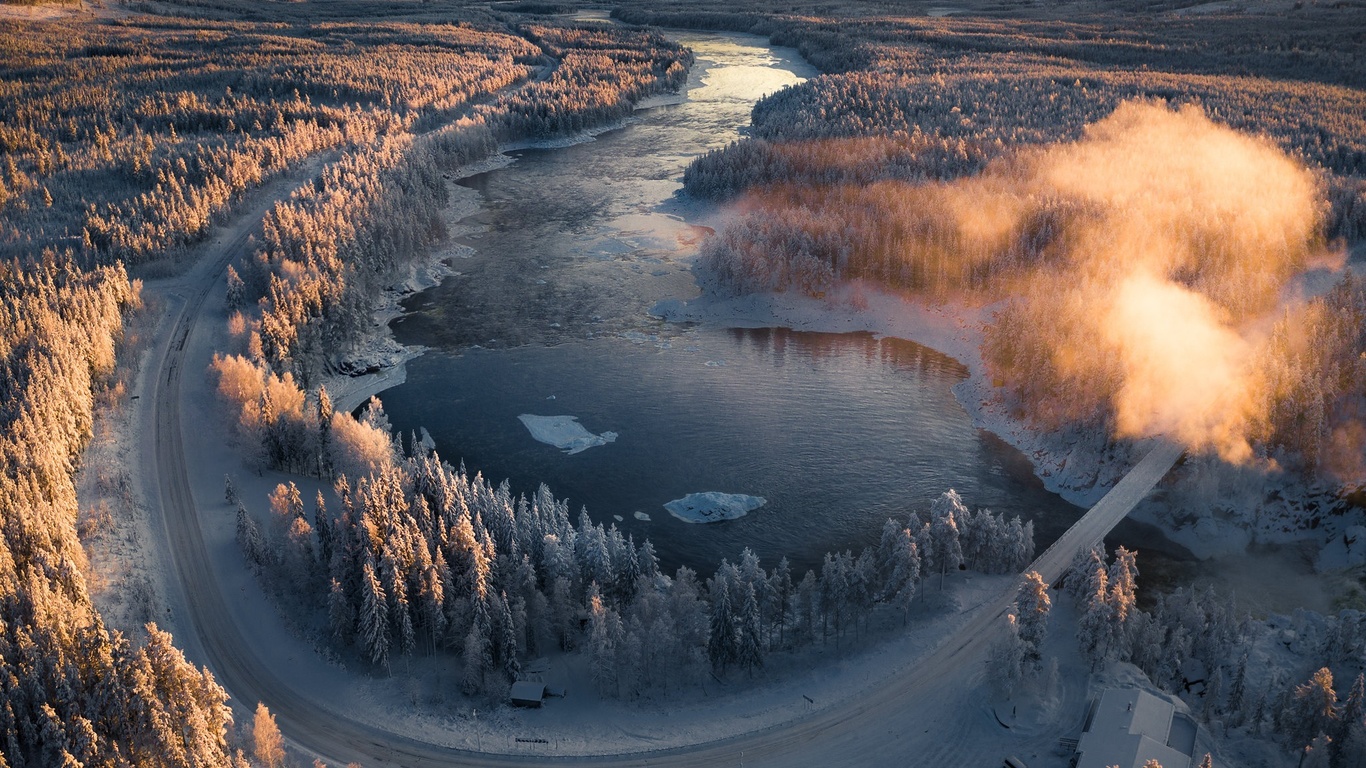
point(713, 506)
point(564, 432)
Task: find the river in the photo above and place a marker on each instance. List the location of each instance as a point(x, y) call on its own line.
point(548, 315)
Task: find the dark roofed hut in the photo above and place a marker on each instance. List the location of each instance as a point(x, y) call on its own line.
point(527, 693)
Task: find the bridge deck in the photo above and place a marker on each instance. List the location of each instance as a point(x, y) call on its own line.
point(1106, 514)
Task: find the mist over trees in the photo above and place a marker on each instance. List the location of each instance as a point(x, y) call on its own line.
point(905, 166)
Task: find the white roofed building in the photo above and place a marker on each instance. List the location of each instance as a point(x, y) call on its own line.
point(1128, 727)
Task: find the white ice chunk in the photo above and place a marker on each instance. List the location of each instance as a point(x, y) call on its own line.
point(564, 432)
point(642, 516)
point(713, 506)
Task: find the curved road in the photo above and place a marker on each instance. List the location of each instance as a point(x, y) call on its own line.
point(852, 732)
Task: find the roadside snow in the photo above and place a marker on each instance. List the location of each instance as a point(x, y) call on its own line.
point(713, 506)
point(564, 432)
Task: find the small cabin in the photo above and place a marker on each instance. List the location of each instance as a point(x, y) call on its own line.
point(527, 693)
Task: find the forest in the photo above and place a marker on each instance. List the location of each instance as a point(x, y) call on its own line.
point(125, 143)
point(128, 139)
point(418, 557)
point(74, 692)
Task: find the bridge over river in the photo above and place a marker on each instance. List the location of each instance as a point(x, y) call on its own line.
point(1106, 514)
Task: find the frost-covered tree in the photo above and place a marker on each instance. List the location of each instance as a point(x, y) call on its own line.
point(1123, 584)
point(721, 643)
point(1349, 719)
point(781, 587)
point(341, 616)
point(236, 291)
point(1005, 665)
point(249, 539)
point(374, 618)
point(604, 637)
point(1237, 691)
point(904, 572)
point(1078, 579)
point(749, 652)
point(1095, 627)
point(1312, 709)
point(1033, 604)
point(268, 744)
point(944, 515)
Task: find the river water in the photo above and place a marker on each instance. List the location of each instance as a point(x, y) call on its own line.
point(548, 315)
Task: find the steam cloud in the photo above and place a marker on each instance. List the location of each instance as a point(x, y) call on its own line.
point(1186, 237)
point(1145, 263)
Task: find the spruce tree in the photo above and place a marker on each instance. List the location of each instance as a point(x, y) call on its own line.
point(374, 617)
point(749, 652)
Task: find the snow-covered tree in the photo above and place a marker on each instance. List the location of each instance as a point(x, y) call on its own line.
point(604, 637)
point(1033, 604)
point(374, 618)
point(721, 643)
point(749, 648)
point(904, 572)
point(1005, 665)
point(781, 587)
point(268, 744)
point(1312, 709)
point(944, 515)
point(1095, 627)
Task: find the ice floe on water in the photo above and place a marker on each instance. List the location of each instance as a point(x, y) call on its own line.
point(641, 516)
point(564, 432)
point(713, 506)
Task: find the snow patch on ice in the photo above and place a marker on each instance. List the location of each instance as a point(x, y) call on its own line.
point(564, 432)
point(713, 506)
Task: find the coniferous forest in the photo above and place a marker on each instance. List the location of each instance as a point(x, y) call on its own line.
point(130, 137)
point(125, 143)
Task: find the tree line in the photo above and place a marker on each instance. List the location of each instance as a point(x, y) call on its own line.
point(418, 557)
